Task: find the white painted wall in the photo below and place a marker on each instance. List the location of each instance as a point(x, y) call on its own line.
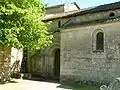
point(70, 7)
point(16, 55)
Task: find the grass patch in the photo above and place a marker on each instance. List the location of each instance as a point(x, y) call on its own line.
point(84, 87)
point(79, 87)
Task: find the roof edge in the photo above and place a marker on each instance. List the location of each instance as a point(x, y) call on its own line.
point(100, 8)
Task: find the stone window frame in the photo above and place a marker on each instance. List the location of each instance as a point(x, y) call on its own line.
point(112, 14)
point(94, 42)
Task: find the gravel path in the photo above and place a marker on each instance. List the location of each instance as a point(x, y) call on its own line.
point(30, 85)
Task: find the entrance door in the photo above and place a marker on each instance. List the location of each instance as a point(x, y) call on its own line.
point(57, 64)
point(24, 64)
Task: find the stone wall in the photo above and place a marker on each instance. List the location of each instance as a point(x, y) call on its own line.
point(79, 62)
point(76, 44)
point(5, 52)
point(61, 8)
point(8, 56)
point(42, 63)
point(97, 15)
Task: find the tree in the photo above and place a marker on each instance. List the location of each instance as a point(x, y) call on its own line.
point(21, 25)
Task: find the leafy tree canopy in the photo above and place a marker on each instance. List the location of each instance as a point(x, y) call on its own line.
point(21, 24)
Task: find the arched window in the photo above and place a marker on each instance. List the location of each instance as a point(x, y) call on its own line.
point(112, 14)
point(100, 41)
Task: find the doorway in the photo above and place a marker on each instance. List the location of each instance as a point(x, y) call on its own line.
point(24, 64)
point(57, 64)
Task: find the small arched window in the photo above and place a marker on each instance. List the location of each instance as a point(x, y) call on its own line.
point(112, 14)
point(100, 41)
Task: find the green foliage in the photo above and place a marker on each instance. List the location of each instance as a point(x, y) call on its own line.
point(21, 24)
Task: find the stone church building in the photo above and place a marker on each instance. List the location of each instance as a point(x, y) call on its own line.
point(86, 44)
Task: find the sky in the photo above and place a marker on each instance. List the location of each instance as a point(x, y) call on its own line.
point(81, 3)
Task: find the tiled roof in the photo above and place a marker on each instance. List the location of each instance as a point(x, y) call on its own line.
point(105, 7)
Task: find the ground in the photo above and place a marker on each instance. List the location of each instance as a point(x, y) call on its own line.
point(40, 85)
